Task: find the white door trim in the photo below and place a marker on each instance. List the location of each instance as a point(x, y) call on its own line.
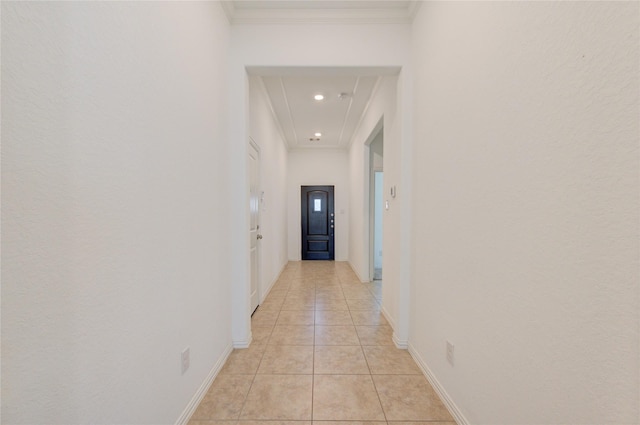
point(254, 225)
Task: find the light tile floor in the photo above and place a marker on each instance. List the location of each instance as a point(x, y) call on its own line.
point(321, 351)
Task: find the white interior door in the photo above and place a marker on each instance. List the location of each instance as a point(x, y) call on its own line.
point(254, 222)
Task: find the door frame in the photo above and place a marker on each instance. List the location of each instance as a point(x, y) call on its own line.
point(240, 67)
point(254, 146)
point(369, 194)
point(331, 217)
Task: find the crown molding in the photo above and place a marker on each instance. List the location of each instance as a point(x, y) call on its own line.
point(307, 149)
point(229, 9)
point(317, 12)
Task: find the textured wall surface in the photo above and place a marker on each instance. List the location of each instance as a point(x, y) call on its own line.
point(113, 230)
point(525, 251)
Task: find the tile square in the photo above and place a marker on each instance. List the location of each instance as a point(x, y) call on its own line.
point(273, 304)
point(421, 423)
point(309, 294)
point(410, 398)
point(349, 279)
point(302, 284)
point(356, 291)
point(330, 292)
point(264, 317)
point(277, 293)
point(270, 423)
point(296, 317)
point(287, 360)
point(375, 335)
point(279, 397)
point(389, 360)
point(351, 423)
point(225, 398)
point(363, 304)
point(292, 335)
point(260, 334)
point(368, 317)
point(244, 361)
point(332, 317)
point(299, 304)
point(280, 285)
point(346, 397)
point(336, 335)
point(335, 304)
point(329, 296)
point(340, 360)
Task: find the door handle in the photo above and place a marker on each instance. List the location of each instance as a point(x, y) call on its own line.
point(259, 237)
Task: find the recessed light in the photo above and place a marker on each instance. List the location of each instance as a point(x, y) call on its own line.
point(318, 134)
point(318, 97)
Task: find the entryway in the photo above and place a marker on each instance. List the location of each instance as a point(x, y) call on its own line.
point(376, 202)
point(318, 222)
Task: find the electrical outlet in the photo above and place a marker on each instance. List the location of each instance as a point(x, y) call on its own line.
point(450, 348)
point(186, 361)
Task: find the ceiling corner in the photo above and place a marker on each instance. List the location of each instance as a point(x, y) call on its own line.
point(413, 8)
point(229, 9)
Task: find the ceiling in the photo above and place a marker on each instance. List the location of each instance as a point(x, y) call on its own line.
point(347, 93)
point(320, 11)
point(336, 117)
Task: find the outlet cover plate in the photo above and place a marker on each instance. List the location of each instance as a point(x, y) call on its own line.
point(185, 360)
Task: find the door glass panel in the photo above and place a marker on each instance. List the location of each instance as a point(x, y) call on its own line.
point(317, 205)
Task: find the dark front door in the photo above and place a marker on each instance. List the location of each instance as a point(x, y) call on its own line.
point(318, 221)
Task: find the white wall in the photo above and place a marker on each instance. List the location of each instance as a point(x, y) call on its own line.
point(525, 249)
point(384, 106)
point(113, 235)
point(273, 180)
point(318, 168)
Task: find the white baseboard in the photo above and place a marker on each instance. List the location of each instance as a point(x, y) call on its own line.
point(202, 391)
point(273, 282)
point(402, 344)
point(448, 402)
point(387, 316)
point(358, 274)
point(243, 343)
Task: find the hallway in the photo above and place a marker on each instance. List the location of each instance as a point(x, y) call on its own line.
point(321, 351)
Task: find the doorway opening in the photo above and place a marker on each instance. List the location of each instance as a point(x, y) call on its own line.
point(254, 224)
point(377, 224)
point(318, 222)
point(376, 204)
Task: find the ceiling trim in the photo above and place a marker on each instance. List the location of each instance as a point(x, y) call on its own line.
point(319, 148)
point(414, 7)
point(267, 98)
point(374, 92)
point(229, 9)
point(346, 117)
point(322, 71)
point(291, 12)
point(286, 102)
